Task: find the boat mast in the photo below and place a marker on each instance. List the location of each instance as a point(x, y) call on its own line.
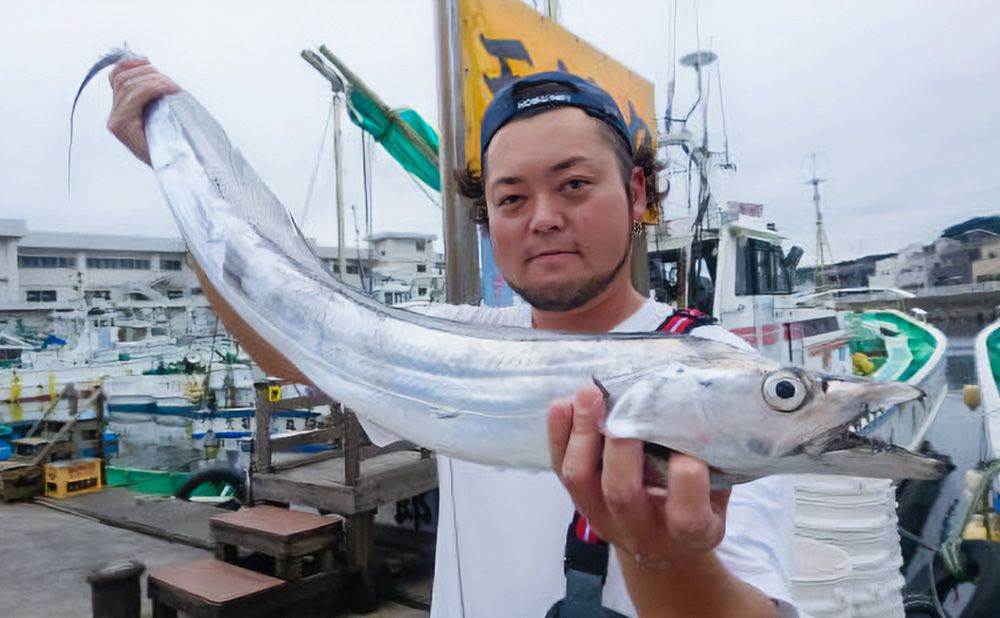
point(337, 88)
point(822, 244)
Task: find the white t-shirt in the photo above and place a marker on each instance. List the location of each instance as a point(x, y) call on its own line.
point(502, 532)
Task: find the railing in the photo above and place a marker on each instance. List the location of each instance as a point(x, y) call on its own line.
point(342, 429)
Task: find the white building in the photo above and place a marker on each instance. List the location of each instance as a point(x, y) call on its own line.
point(46, 276)
point(58, 270)
point(406, 267)
point(906, 270)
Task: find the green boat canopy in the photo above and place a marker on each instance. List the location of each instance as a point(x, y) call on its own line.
point(402, 132)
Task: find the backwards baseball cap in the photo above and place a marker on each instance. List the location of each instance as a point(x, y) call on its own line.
point(549, 90)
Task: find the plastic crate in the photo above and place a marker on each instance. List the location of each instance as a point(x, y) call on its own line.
point(72, 477)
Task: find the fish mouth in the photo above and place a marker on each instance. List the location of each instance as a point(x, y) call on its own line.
point(848, 447)
point(872, 402)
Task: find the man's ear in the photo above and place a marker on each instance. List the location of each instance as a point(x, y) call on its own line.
point(637, 186)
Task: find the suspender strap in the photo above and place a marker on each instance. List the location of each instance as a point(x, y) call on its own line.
point(586, 568)
point(585, 551)
point(684, 321)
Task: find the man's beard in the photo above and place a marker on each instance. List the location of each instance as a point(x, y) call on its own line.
point(565, 297)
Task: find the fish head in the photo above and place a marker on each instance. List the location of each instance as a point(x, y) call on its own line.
point(755, 420)
point(813, 412)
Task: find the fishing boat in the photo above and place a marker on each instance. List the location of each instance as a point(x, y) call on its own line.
point(987, 355)
point(729, 262)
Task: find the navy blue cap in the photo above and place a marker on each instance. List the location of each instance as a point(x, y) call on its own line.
point(549, 90)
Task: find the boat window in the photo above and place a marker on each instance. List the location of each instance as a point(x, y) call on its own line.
point(670, 270)
point(667, 274)
point(819, 326)
point(761, 268)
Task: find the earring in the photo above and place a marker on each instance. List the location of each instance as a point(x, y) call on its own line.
point(636, 228)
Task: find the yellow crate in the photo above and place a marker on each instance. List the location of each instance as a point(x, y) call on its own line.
point(72, 477)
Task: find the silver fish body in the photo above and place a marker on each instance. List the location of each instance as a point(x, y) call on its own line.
point(482, 393)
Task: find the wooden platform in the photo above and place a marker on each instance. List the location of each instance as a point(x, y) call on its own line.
point(384, 478)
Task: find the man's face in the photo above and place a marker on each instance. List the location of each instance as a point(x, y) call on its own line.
point(559, 216)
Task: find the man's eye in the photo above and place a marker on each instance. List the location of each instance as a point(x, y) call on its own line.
point(575, 183)
point(508, 200)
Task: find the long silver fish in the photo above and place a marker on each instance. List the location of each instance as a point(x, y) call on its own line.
point(481, 394)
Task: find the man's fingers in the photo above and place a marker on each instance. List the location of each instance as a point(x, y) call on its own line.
point(689, 510)
point(719, 500)
point(139, 90)
point(580, 470)
point(560, 425)
point(622, 483)
point(125, 65)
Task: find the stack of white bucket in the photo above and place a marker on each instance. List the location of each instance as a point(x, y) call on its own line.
point(854, 518)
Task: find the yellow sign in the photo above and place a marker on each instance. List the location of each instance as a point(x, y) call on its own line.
point(274, 392)
point(505, 39)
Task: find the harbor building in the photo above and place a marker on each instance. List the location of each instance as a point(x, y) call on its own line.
point(48, 276)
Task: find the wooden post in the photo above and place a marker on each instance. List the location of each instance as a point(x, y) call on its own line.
point(352, 448)
point(360, 547)
point(101, 424)
point(262, 435)
point(461, 238)
point(74, 399)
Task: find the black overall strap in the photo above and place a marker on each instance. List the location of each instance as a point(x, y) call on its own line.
point(586, 558)
point(586, 568)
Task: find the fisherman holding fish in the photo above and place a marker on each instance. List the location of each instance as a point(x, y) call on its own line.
point(562, 193)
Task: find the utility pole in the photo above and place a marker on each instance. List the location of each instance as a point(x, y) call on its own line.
point(461, 238)
point(822, 244)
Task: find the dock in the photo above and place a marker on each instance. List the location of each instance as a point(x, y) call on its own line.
point(382, 571)
point(50, 548)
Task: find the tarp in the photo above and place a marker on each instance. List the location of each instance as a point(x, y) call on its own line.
point(384, 125)
point(402, 132)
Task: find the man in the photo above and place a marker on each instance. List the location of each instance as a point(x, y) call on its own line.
point(561, 196)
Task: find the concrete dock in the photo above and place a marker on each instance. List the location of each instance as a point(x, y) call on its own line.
point(46, 554)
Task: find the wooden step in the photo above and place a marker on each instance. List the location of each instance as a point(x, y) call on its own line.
point(283, 525)
point(212, 582)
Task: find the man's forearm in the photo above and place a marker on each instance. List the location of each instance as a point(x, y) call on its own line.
point(695, 588)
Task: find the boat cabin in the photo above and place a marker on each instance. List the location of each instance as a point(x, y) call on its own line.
point(735, 268)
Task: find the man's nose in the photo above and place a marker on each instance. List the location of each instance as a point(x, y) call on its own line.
point(547, 216)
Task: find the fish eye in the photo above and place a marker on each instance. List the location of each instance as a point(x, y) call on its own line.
point(784, 392)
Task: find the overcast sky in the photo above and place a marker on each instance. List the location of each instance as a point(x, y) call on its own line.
point(900, 97)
